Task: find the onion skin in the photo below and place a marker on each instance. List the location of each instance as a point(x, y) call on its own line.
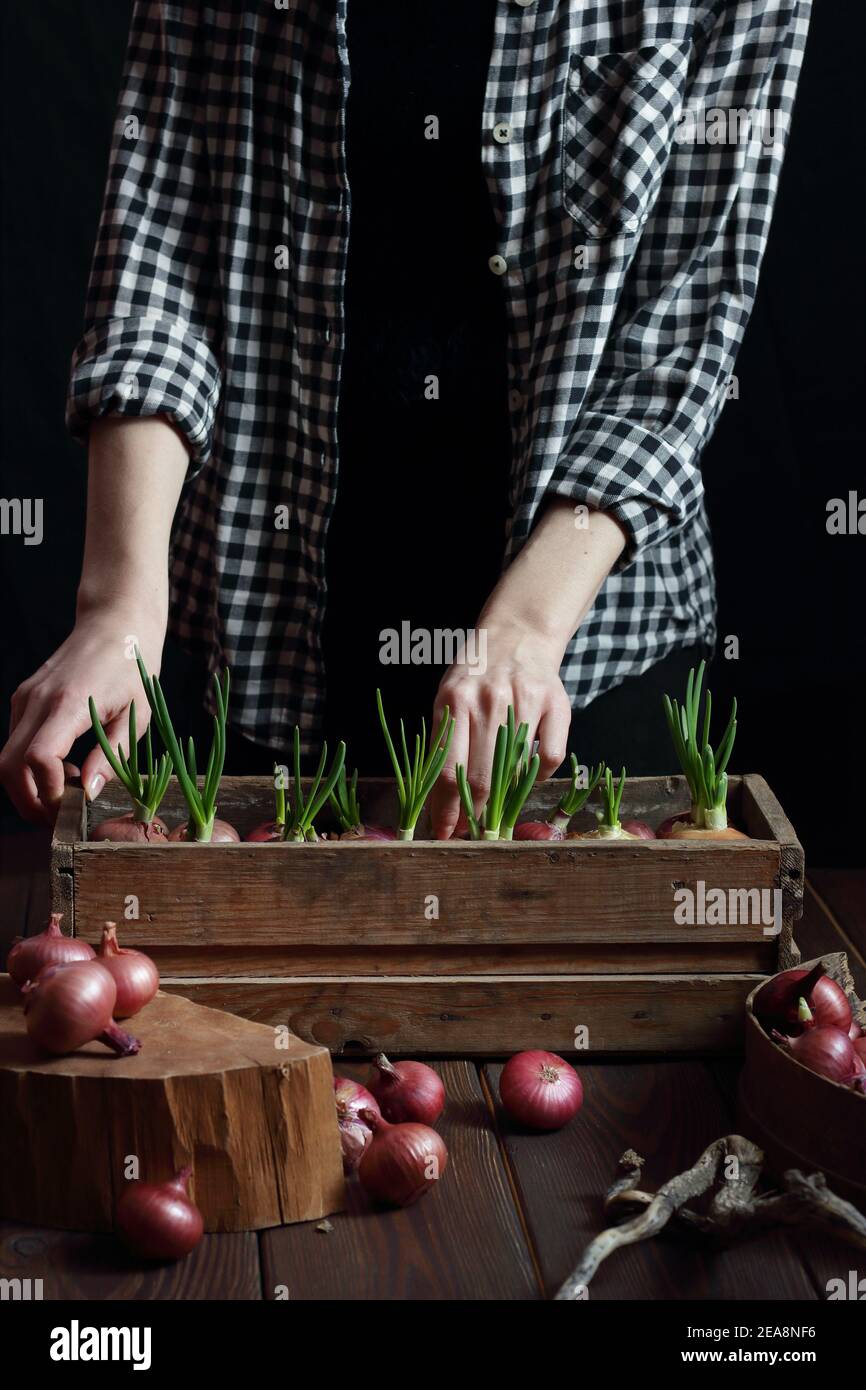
point(663, 831)
point(159, 1221)
point(265, 833)
point(135, 975)
point(370, 832)
point(639, 829)
point(131, 831)
point(222, 834)
point(70, 1005)
point(537, 830)
point(827, 1051)
point(402, 1162)
point(351, 1098)
point(855, 1032)
point(30, 954)
point(408, 1092)
point(691, 832)
point(613, 834)
point(777, 1002)
point(540, 1090)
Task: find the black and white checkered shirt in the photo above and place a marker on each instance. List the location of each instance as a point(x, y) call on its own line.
point(633, 199)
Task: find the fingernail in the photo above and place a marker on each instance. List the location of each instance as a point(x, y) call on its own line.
point(94, 786)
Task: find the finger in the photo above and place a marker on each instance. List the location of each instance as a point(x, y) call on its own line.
point(445, 798)
point(482, 744)
point(15, 775)
point(553, 738)
point(96, 769)
point(49, 747)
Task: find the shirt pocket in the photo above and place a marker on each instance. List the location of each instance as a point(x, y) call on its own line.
point(620, 117)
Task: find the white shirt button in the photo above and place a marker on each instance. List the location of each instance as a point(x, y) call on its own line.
point(502, 132)
point(498, 264)
point(524, 4)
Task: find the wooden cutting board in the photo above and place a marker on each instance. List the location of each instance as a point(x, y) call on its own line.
point(254, 1119)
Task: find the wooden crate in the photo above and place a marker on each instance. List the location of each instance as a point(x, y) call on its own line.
point(447, 948)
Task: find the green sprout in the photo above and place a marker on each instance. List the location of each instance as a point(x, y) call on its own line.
point(146, 788)
point(416, 776)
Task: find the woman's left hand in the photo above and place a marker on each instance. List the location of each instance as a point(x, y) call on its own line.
point(520, 669)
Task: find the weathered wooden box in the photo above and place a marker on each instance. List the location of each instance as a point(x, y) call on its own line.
point(453, 948)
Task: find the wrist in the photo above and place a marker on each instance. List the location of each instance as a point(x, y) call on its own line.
point(523, 636)
point(135, 611)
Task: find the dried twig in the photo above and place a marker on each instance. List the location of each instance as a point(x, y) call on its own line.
point(735, 1164)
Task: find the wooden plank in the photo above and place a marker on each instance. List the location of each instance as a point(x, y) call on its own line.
point(487, 1016)
point(464, 1240)
point(763, 815)
point(668, 1112)
point(842, 895)
point(179, 962)
point(23, 886)
point(499, 894)
point(820, 932)
point(75, 1266)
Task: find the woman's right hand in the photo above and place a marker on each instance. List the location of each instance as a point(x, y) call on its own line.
point(50, 709)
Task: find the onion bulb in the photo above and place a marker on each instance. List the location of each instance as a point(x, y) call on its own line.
point(221, 834)
point(540, 1090)
point(130, 830)
point(30, 954)
point(135, 975)
point(408, 1091)
point(159, 1221)
point(777, 1003)
point(402, 1161)
point(827, 1051)
point(70, 1005)
point(351, 1098)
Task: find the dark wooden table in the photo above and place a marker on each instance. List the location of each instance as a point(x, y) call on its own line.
point(514, 1211)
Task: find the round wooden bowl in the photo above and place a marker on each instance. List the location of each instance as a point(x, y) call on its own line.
point(802, 1120)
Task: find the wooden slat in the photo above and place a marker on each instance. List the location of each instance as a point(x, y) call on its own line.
point(23, 886)
point(178, 962)
point(668, 1113)
point(842, 895)
point(489, 1015)
point(462, 1241)
point(499, 894)
point(76, 1266)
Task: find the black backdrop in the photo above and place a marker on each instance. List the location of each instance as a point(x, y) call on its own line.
point(788, 591)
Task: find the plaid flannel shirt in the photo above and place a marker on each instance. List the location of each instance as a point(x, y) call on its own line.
point(629, 257)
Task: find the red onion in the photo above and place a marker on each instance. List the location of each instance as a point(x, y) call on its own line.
point(72, 1004)
point(159, 1220)
point(408, 1091)
point(265, 833)
point(777, 1002)
point(134, 973)
point(370, 832)
point(31, 954)
point(855, 1032)
point(859, 1046)
point(827, 1051)
point(222, 833)
point(129, 829)
point(640, 829)
point(663, 831)
point(537, 830)
point(402, 1162)
point(540, 1090)
point(351, 1098)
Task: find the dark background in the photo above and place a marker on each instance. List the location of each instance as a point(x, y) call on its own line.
point(795, 438)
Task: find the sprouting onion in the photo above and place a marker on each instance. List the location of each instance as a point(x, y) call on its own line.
point(200, 802)
point(417, 776)
point(275, 829)
point(307, 805)
point(511, 780)
point(609, 825)
point(146, 788)
point(572, 801)
point(704, 769)
point(345, 803)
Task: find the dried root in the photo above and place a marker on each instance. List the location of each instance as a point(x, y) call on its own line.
point(732, 1166)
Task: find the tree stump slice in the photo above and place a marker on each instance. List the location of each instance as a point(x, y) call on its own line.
point(256, 1122)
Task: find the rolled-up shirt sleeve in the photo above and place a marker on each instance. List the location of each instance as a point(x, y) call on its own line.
point(152, 340)
point(668, 362)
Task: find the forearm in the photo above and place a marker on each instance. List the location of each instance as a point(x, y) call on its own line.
point(551, 584)
point(136, 469)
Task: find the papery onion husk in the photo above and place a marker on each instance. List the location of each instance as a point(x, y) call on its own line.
point(30, 954)
point(351, 1098)
point(129, 830)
